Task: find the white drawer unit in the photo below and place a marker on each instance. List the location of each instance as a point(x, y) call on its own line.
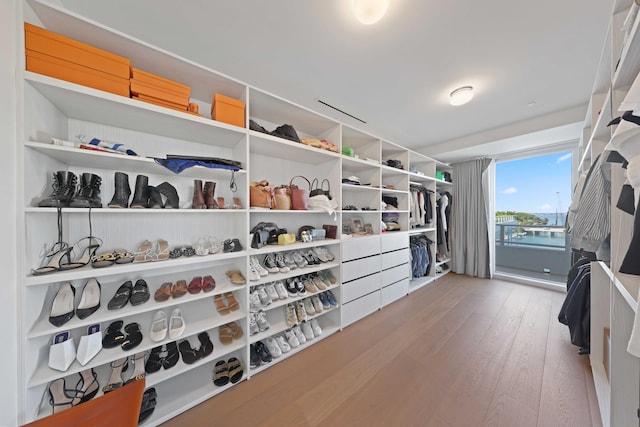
point(391, 259)
point(360, 287)
point(394, 274)
point(359, 308)
point(360, 247)
point(394, 292)
point(359, 268)
point(393, 241)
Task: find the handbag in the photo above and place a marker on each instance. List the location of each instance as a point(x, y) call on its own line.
point(261, 195)
point(317, 190)
point(331, 231)
point(62, 352)
point(282, 199)
point(299, 197)
point(264, 233)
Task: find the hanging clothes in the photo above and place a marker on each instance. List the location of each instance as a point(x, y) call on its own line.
point(421, 256)
point(420, 208)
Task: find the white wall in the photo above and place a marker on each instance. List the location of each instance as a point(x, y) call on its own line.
point(8, 216)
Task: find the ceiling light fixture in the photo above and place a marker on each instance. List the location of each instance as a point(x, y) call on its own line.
point(369, 11)
point(462, 95)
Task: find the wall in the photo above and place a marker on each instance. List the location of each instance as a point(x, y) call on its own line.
point(532, 259)
point(8, 215)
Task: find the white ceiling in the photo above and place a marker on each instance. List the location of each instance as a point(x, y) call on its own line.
point(396, 74)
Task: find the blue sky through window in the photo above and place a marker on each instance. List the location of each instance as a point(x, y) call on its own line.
point(534, 184)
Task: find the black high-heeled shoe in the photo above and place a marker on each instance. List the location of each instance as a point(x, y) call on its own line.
point(87, 386)
point(58, 397)
point(90, 299)
point(189, 355)
point(62, 309)
point(85, 252)
point(115, 381)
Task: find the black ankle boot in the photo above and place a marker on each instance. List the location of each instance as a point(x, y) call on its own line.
point(155, 199)
point(141, 195)
point(88, 195)
point(64, 187)
point(169, 195)
point(122, 191)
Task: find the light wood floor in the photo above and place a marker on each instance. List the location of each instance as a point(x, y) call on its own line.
point(459, 352)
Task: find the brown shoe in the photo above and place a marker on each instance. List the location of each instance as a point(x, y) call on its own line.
point(179, 288)
point(236, 330)
point(225, 334)
point(163, 293)
point(220, 305)
point(231, 299)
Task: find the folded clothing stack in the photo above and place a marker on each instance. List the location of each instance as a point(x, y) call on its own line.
point(158, 90)
point(390, 220)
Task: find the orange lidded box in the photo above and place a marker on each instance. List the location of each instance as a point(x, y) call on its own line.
point(64, 48)
point(157, 82)
point(142, 89)
point(64, 70)
point(227, 110)
point(160, 102)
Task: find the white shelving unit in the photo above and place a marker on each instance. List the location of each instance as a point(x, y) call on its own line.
point(52, 108)
point(616, 373)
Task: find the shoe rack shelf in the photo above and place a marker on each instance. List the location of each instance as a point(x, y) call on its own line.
point(290, 299)
point(58, 109)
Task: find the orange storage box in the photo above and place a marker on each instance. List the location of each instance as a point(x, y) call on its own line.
point(79, 74)
point(143, 89)
point(161, 83)
point(55, 45)
point(160, 102)
point(227, 110)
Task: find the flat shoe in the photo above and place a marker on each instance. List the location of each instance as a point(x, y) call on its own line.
point(189, 355)
point(208, 284)
point(163, 293)
point(104, 259)
point(179, 288)
point(206, 346)
point(133, 338)
point(139, 293)
point(159, 327)
point(195, 286)
point(176, 324)
point(113, 336)
point(121, 297)
point(221, 373)
point(220, 305)
point(235, 370)
point(236, 277)
point(233, 303)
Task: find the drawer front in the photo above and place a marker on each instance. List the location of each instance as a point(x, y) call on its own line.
point(394, 292)
point(360, 287)
point(359, 268)
point(391, 259)
point(393, 241)
point(357, 309)
point(360, 247)
point(394, 274)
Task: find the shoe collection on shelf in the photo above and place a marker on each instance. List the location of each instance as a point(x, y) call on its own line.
point(216, 309)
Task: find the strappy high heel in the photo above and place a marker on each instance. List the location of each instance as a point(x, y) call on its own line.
point(87, 386)
point(58, 397)
point(53, 256)
point(117, 366)
point(138, 367)
point(86, 252)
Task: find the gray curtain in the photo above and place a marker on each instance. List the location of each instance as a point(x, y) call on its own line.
point(471, 253)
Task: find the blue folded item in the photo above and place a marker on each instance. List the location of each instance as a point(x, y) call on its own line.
point(178, 165)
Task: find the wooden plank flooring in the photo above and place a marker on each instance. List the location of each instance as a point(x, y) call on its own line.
point(459, 352)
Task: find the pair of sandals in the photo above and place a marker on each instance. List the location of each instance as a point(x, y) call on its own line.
point(225, 372)
point(168, 290)
point(191, 355)
point(152, 251)
point(229, 332)
point(230, 305)
point(62, 257)
point(162, 357)
point(114, 336)
point(148, 404)
point(236, 277)
point(107, 259)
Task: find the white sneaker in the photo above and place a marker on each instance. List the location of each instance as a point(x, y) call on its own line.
point(253, 325)
point(271, 291)
point(308, 307)
point(301, 313)
point(320, 284)
point(281, 290)
point(298, 334)
point(283, 344)
point(307, 331)
point(315, 326)
point(290, 315)
point(309, 285)
point(288, 259)
point(281, 264)
point(265, 299)
point(261, 320)
point(259, 268)
point(291, 339)
point(270, 263)
point(319, 253)
point(254, 302)
point(273, 347)
point(253, 273)
point(317, 305)
point(298, 259)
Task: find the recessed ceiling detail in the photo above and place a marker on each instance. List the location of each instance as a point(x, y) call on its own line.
point(369, 11)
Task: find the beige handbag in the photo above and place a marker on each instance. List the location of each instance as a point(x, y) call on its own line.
point(261, 195)
point(282, 199)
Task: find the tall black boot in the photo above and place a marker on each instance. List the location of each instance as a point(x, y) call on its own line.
point(122, 191)
point(88, 195)
point(169, 195)
point(64, 187)
point(141, 195)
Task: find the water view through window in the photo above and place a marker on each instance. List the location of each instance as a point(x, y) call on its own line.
point(532, 199)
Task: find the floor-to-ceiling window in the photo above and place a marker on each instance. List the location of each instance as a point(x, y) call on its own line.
point(532, 196)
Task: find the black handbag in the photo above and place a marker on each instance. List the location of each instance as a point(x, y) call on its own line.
point(264, 233)
point(317, 190)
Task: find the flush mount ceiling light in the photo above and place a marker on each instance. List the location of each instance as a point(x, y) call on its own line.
point(462, 95)
point(369, 11)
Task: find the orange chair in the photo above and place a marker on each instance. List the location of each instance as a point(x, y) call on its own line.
point(120, 407)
